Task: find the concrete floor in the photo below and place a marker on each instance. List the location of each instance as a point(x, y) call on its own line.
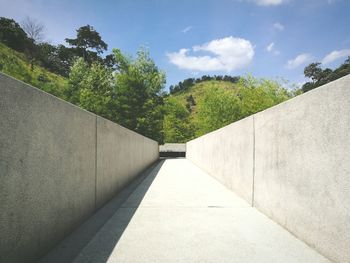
point(178, 213)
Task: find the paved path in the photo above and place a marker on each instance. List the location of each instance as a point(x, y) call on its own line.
point(181, 214)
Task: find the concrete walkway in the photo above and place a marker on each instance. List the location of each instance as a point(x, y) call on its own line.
point(178, 213)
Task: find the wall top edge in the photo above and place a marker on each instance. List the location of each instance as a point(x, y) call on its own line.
point(37, 90)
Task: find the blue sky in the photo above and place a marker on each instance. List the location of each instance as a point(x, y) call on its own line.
point(266, 38)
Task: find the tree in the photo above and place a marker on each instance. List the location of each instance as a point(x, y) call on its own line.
point(131, 95)
point(190, 82)
point(12, 35)
point(221, 106)
point(87, 40)
point(34, 29)
point(67, 57)
point(35, 33)
point(47, 56)
point(347, 61)
point(110, 61)
point(190, 102)
point(258, 94)
point(218, 108)
point(97, 93)
point(91, 87)
point(77, 74)
point(313, 71)
point(177, 126)
point(57, 59)
point(139, 86)
point(321, 76)
point(342, 70)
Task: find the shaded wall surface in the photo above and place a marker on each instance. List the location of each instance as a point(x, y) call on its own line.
point(172, 150)
point(58, 165)
point(292, 162)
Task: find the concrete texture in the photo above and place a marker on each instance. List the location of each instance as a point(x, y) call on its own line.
point(133, 152)
point(181, 214)
point(300, 161)
point(48, 169)
point(71, 246)
point(173, 147)
point(172, 150)
point(227, 154)
point(302, 167)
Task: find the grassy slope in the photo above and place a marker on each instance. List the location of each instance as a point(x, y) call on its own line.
point(198, 90)
point(17, 65)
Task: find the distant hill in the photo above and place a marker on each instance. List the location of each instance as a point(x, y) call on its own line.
point(193, 107)
point(17, 65)
point(198, 91)
point(198, 109)
point(211, 104)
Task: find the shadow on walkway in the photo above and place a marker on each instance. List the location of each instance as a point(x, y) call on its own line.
point(68, 249)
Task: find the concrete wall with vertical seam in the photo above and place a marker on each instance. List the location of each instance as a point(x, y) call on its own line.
point(302, 167)
point(301, 164)
point(48, 171)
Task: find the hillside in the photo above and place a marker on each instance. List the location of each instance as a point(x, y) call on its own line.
point(195, 108)
point(198, 93)
point(17, 65)
point(212, 104)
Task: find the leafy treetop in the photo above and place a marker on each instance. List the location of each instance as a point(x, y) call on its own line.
point(88, 38)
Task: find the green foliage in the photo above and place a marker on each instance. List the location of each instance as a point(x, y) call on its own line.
point(129, 90)
point(131, 96)
point(57, 59)
point(123, 89)
point(139, 84)
point(87, 40)
point(213, 104)
point(88, 44)
point(17, 65)
point(91, 87)
point(313, 71)
point(321, 76)
point(12, 35)
point(186, 84)
point(177, 124)
point(76, 77)
point(190, 103)
point(259, 94)
point(218, 108)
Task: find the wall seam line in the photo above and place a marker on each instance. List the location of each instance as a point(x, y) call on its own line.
point(253, 184)
point(95, 162)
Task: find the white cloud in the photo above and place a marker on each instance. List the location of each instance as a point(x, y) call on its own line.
point(266, 2)
point(269, 2)
point(226, 54)
point(334, 55)
point(278, 26)
point(186, 29)
point(298, 61)
point(271, 49)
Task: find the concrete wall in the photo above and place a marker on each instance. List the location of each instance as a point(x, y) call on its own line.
point(172, 147)
point(58, 164)
point(172, 150)
point(227, 155)
point(133, 152)
point(301, 165)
